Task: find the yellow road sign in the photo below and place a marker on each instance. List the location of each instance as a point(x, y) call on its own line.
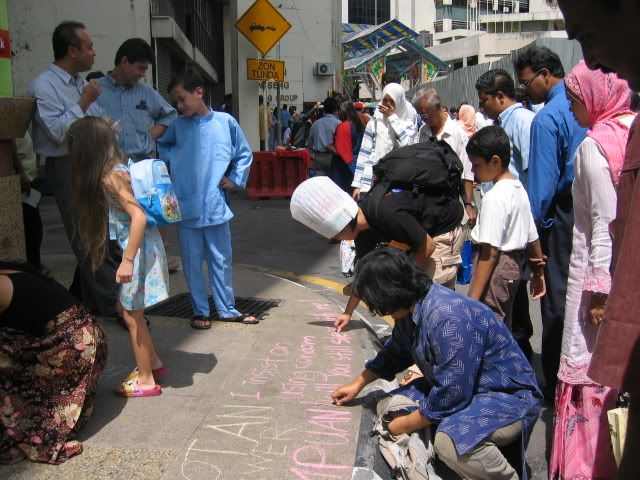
point(265, 70)
point(263, 25)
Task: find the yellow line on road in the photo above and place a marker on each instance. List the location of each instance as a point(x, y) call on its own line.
point(323, 282)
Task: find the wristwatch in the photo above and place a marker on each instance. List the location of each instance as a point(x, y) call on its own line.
point(471, 204)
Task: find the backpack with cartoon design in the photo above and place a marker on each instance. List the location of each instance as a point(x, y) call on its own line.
point(154, 191)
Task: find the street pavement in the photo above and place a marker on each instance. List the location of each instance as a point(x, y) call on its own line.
point(243, 401)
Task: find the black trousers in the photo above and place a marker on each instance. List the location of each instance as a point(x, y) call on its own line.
point(97, 290)
point(32, 233)
point(556, 244)
point(521, 326)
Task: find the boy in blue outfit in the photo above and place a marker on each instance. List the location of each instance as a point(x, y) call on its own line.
point(207, 154)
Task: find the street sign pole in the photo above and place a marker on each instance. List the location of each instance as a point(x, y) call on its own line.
point(279, 116)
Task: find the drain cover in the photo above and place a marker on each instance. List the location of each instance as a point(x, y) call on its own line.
point(180, 306)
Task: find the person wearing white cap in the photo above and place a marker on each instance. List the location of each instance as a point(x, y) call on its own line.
point(402, 219)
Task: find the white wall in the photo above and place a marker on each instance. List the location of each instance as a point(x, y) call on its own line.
point(416, 14)
point(488, 46)
point(31, 23)
point(314, 37)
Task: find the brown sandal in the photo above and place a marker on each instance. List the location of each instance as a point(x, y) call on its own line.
point(200, 323)
point(242, 318)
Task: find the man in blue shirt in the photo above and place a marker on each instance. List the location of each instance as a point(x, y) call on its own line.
point(141, 112)
point(496, 93)
point(321, 135)
point(285, 118)
point(62, 97)
point(555, 136)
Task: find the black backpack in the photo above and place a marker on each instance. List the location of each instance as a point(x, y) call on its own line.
point(300, 133)
point(430, 168)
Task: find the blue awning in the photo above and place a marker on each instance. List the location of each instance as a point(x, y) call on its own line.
point(355, 42)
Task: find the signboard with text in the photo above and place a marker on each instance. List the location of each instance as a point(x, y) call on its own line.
point(263, 25)
point(263, 70)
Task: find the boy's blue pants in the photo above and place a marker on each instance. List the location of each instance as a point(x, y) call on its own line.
point(212, 244)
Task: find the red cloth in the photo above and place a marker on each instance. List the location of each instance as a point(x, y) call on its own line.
point(364, 118)
point(342, 142)
point(302, 153)
point(616, 358)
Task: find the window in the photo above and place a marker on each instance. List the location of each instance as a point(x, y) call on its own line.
point(364, 11)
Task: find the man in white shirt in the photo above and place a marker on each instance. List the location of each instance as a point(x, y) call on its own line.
point(438, 124)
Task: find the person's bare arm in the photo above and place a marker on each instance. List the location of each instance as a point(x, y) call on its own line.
point(487, 261)
point(347, 392)
point(408, 423)
point(423, 254)
point(344, 318)
point(537, 285)
point(157, 130)
point(120, 186)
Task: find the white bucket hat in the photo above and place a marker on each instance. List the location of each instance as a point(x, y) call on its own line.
point(322, 206)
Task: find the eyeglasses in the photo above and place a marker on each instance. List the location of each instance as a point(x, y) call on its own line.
point(427, 115)
point(526, 84)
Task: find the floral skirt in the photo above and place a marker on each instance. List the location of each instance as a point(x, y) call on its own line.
point(48, 385)
point(581, 440)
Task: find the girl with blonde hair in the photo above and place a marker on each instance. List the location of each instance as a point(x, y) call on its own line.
point(102, 190)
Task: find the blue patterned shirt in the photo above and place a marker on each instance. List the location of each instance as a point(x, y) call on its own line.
point(479, 380)
point(137, 108)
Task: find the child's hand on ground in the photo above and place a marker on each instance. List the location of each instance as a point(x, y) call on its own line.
point(538, 286)
point(227, 184)
point(342, 321)
point(345, 393)
point(125, 272)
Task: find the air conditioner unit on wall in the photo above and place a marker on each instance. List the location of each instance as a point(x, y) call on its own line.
point(324, 69)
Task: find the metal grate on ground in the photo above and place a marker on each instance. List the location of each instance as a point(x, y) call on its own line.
point(180, 306)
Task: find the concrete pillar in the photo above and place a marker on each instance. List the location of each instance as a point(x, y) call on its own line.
point(245, 92)
point(12, 245)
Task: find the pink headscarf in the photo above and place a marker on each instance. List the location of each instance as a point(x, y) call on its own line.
point(606, 96)
point(467, 119)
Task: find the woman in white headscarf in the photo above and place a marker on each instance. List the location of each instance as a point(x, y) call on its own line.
point(394, 125)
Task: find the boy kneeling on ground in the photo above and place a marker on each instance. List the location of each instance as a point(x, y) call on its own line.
point(478, 392)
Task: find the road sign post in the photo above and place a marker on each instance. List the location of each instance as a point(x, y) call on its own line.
point(263, 25)
point(265, 70)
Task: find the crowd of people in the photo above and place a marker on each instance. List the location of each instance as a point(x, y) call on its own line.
point(549, 181)
point(557, 210)
point(90, 132)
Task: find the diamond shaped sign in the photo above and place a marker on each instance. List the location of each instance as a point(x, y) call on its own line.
point(263, 25)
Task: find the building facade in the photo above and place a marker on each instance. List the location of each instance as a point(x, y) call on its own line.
point(181, 32)
point(419, 15)
point(191, 33)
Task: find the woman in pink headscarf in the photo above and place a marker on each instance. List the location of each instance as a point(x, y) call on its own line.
point(581, 446)
point(467, 119)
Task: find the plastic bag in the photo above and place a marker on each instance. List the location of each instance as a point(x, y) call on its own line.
point(466, 267)
point(347, 257)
